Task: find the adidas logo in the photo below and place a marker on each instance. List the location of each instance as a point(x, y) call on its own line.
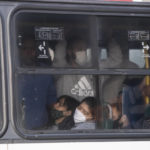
point(82, 88)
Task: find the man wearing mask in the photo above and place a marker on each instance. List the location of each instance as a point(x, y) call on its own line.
point(78, 55)
point(85, 114)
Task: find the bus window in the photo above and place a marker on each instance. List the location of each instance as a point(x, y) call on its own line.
point(126, 107)
point(56, 41)
point(123, 42)
point(50, 101)
point(66, 74)
point(45, 100)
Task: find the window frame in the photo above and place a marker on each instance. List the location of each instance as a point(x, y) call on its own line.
point(83, 9)
point(3, 80)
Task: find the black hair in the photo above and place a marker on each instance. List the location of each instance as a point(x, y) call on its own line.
point(92, 103)
point(133, 81)
point(70, 102)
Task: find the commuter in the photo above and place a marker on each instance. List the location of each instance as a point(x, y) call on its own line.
point(85, 114)
point(115, 59)
point(77, 86)
point(61, 113)
point(133, 101)
point(113, 118)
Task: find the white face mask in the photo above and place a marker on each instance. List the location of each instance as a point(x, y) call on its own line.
point(79, 116)
point(81, 58)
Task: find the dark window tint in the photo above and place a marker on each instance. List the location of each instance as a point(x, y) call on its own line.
point(49, 40)
point(127, 105)
point(126, 41)
point(66, 76)
point(48, 101)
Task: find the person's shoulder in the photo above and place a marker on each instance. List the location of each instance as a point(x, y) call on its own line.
point(128, 64)
point(84, 125)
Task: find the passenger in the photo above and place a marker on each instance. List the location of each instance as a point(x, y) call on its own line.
point(36, 93)
point(85, 114)
point(144, 122)
point(119, 121)
point(118, 57)
point(61, 113)
point(115, 59)
point(77, 86)
point(133, 101)
point(113, 118)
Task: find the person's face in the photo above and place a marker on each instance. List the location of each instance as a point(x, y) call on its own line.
point(79, 46)
point(80, 53)
point(60, 105)
point(115, 113)
point(84, 108)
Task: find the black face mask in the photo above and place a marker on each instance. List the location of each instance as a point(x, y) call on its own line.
point(56, 114)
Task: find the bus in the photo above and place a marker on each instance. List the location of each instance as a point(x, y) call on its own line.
point(74, 70)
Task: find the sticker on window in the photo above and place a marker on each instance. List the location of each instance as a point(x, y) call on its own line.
point(138, 35)
point(49, 33)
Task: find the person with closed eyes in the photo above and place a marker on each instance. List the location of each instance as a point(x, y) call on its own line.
point(85, 114)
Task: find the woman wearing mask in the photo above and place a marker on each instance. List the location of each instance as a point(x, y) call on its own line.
point(85, 114)
point(61, 113)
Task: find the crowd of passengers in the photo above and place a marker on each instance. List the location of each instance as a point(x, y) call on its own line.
point(74, 104)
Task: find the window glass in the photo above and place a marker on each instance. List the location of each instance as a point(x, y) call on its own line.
point(127, 105)
point(54, 41)
point(126, 41)
point(137, 57)
point(60, 84)
point(49, 102)
point(44, 104)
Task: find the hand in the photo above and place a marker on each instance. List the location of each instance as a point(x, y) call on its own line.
point(124, 121)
